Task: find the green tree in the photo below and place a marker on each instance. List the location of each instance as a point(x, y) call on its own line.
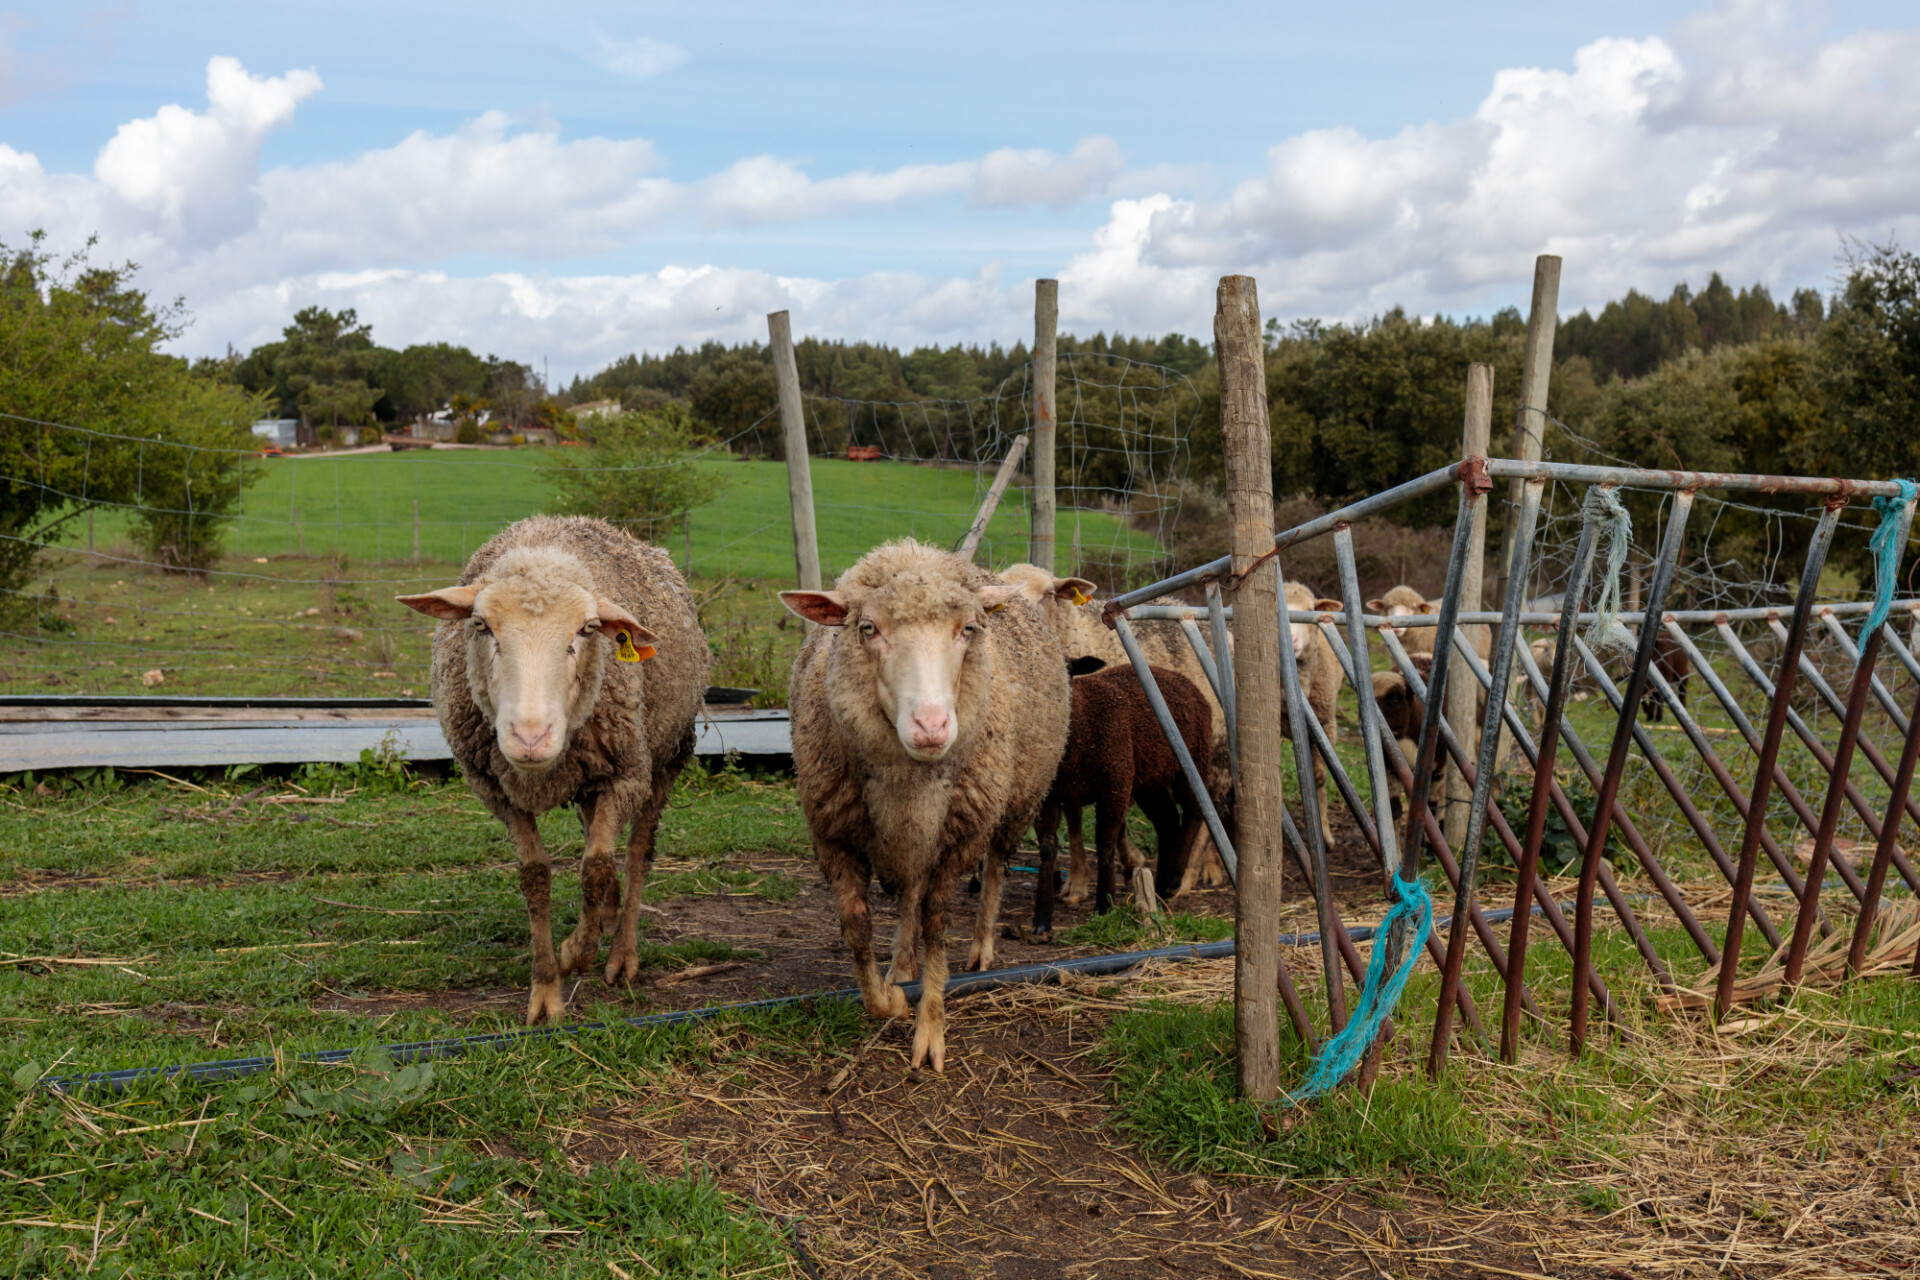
point(1869, 356)
point(641, 473)
point(733, 392)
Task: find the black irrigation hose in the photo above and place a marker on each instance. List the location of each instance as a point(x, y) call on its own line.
point(422, 1050)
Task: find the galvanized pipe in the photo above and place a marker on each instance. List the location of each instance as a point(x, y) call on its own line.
point(1195, 782)
point(1217, 617)
point(1202, 654)
point(1770, 748)
point(1903, 653)
point(1759, 613)
point(1427, 751)
point(1663, 574)
point(1881, 694)
point(1543, 784)
point(1361, 666)
point(1219, 570)
point(1687, 481)
point(1301, 732)
point(1695, 819)
point(1504, 641)
point(1884, 848)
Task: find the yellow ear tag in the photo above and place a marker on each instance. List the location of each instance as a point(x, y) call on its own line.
point(627, 653)
point(995, 608)
point(1080, 597)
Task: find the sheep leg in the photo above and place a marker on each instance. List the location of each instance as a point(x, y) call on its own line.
point(1049, 829)
point(623, 962)
point(536, 886)
point(906, 936)
point(1109, 837)
point(850, 883)
point(599, 886)
point(987, 919)
point(930, 1023)
point(1078, 874)
point(1169, 836)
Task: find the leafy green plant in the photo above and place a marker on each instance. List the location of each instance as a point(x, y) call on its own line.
point(641, 473)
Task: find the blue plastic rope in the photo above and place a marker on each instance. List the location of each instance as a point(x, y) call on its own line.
point(1603, 505)
point(1340, 1055)
point(1886, 555)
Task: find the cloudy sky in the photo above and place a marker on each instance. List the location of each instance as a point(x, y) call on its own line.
point(573, 181)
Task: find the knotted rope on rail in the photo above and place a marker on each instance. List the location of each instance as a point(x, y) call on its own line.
point(1886, 555)
point(1378, 995)
point(1603, 503)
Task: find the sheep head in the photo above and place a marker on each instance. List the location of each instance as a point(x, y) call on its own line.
point(1301, 600)
point(537, 638)
point(914, 634)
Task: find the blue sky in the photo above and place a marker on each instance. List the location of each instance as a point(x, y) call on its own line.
point(595, 178)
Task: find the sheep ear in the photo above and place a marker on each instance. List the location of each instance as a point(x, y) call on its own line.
point(449, 604)
point(1078, 590)
point(993, 599)
point(635, 641)
point(828, 608)
point(1376, 606)
point(1324, 605)
point(1429, 607)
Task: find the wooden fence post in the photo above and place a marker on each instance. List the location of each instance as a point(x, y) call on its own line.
point(793, 430)
point(1530, 424)
point(1008, 466)
point(1462, 690)
point(1046, 321)
point(1246, 444)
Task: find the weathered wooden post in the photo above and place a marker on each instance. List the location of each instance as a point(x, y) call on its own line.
point(1462, 710)
point(1246, 444)
point(793, 432)
point(1008, 466)
point(1046, 320)
point(1530, 424)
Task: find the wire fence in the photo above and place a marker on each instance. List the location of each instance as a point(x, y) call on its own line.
point(126, 593)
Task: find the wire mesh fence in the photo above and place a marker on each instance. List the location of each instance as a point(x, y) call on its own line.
point(218, 572)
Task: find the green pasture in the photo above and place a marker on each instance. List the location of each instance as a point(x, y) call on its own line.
point(364, 506)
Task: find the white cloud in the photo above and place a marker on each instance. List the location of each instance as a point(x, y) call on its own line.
point(639, 57)
point(1742, 141)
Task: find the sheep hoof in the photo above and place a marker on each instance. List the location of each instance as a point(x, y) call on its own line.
point(1143, 895)
point(930, 1045)
point(623, 966)
point(980, 957)
point(544, 1004)
point(578, 954)
point(891, 1002)
point(902, 972)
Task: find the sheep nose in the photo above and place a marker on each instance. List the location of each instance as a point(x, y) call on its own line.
point(530, 742)
point(931, 728)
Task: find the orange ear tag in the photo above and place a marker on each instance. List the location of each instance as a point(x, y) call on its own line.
point(627, 653)
point(1080, 597)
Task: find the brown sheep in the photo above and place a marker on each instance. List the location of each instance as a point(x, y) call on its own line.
point(1089, 644)
point(1401, 714)
point(929, 713)
point(1321, 678)
point(1117, 756)
point(543, 708)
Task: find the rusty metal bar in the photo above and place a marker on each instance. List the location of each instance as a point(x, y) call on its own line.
point(1770, 746)
point(1436, 836)
point(1830, 809)
point(1518, 576)
point(1731, 705)
point(1884, 848)
point(1516, 725)
point(1301, 726)
point(1663, 574)
point(1675, 788)
point(1824, 759)
point(1498, 822)
point(1543, 785)
point(1880, 766)
point(1687, 481)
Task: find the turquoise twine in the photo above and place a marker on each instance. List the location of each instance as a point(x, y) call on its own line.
point(1886, 555)
point(1340, 1055)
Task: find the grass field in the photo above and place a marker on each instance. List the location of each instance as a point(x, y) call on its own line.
point(362, 507)
point(156, 922)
